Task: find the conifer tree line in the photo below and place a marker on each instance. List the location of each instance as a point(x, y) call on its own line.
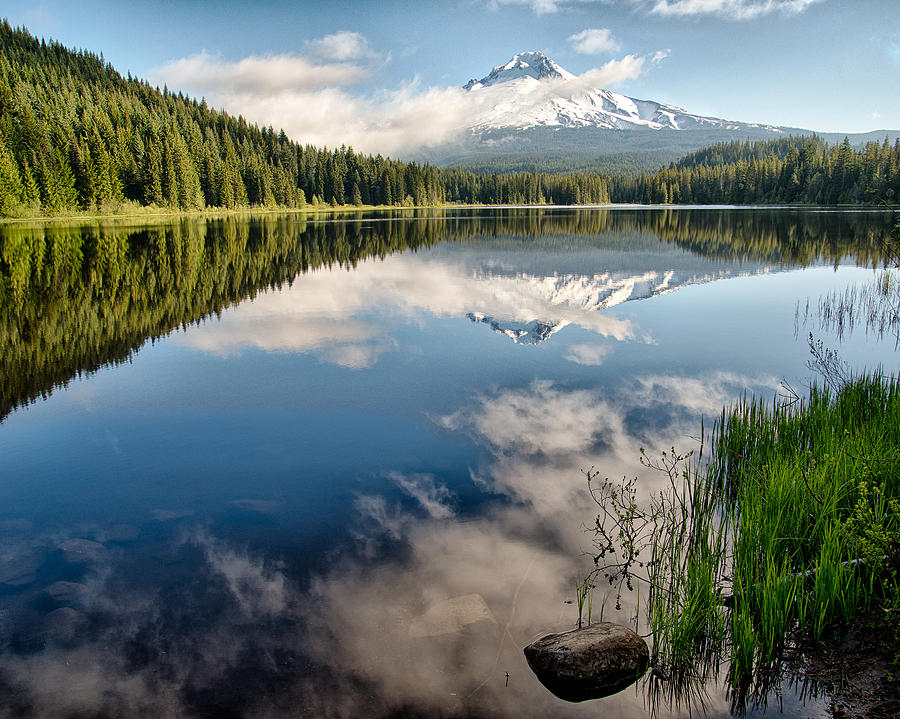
point(784, 171)
point(75, 134)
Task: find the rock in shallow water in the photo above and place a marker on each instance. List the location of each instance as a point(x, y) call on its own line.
point(588, 663)
point(71, 593)
point(64, 626)
point(19, 564)
point(81, 551)
point(451, 616)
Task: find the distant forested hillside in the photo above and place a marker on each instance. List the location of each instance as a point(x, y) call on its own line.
point(75, 134)
point(783, 171)
point(616, 164)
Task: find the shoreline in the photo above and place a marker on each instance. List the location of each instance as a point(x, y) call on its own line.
point(152, 213)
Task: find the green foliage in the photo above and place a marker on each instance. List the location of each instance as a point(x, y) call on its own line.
point(611, 164)
point(795, 516)
point(12, 194)
point(584, 597)
point(74, 134)
point(811, 488)
point(784, 171)
point(873, 524)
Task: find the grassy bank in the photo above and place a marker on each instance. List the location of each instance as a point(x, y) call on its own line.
point(789, 529)
point(129, 211)
point(805, 533)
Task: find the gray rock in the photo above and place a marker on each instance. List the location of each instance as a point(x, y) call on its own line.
point(18, 565)
point(64, 626)
point(451, 616)
point(81, 551)
point(588, 663)
point(71, 593)
point(7, 628)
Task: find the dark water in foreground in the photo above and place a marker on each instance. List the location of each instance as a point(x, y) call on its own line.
point(344, 475)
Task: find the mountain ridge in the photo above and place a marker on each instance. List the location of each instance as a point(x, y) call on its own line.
point(531, 107)
point(532, 90)
point(533, 63)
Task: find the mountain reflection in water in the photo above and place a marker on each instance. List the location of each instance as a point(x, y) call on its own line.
point(323, 490)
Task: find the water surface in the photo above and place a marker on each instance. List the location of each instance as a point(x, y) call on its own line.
point(289, 468)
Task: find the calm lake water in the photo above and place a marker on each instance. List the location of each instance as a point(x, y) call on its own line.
point(279, 467)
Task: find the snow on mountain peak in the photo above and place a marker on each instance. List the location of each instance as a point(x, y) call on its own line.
point(535, 65)
point(531, 90)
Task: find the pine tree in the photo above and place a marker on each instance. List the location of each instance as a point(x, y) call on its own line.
point(12, 194)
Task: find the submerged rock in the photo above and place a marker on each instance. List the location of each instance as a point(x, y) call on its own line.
point(7, 628)
point(588, 663)
point(64, 626)
point(71, 593)
point(81, 551)
point(18, 565)
point(450, 616)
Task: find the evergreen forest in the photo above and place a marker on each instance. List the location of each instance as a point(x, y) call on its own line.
point(76, 136)
point(803, 170)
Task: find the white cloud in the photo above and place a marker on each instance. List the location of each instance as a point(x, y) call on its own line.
point(540, 419)
point(542, 7)
point(593, 41)
point(433, 497)
point(342, 46)
point(389, 519)
point(254, 76)
point(733, 9)
point(704, 394)
point(329, 313)
point(590, 355)
point(259, 589)
point(617, 71)
point(309, 96)
point(390, 123)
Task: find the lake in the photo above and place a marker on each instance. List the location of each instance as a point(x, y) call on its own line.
point(277, 466)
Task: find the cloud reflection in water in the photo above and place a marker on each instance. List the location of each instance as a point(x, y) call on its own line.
point(430, 630)
point(336, 314)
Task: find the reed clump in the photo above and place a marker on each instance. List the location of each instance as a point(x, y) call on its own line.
point(811, 493)
point(791, 526)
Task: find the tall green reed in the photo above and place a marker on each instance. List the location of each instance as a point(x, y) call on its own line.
point(790, 516)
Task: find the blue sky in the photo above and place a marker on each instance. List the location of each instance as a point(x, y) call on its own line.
point(382, 75)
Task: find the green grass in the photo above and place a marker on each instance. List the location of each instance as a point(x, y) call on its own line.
point(793, 513)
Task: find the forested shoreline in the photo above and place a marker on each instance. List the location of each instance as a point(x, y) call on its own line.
point(793, 170)
point(76, 136)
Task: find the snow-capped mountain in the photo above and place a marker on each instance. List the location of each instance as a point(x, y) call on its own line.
point(534, 65)
point(531, 90)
